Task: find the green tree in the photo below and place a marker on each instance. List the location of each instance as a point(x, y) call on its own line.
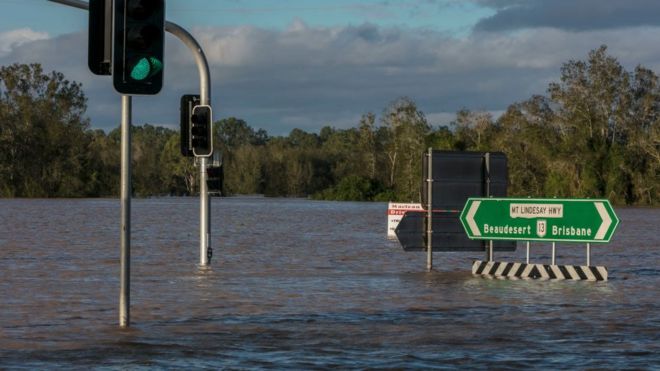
point(527, 139)
point(179, 175)
point(407, 129)
point(232, 132)
point(339, 149)
point(368, 145)
point(42, 133)
point(103, 164)
point(642, 137)
point(148, 142)
point(474, 130)
point(594, 103)
point(243, 172)
point(442, 138)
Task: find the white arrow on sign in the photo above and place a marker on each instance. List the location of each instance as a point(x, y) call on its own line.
point(607, 221)
point(470, 218)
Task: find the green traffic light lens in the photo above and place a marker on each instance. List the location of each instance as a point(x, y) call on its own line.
point(145, 68)
point(141, 70)
point(156, 65)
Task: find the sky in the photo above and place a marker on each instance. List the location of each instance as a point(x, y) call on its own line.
point(306, 64)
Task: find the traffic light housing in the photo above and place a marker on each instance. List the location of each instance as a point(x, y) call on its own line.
point(214, 178)
point(188, 101)
point(138, 44)
point(201, 134)
point(99, 48)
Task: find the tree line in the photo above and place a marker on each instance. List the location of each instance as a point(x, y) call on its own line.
point(595, 133)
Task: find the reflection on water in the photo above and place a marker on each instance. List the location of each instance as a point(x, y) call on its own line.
point(305, 284)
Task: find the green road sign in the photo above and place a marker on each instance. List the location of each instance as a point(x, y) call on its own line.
point(526, 219)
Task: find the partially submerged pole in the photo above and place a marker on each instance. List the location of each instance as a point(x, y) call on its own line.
point(527, 261)
point(554, 253)
point(205, 206)
point(125, 245)
point(429, 211)
point(204, 99)
point(489, 253)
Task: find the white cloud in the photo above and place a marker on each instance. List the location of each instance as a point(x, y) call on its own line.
point(14, 38)
point(308, 77)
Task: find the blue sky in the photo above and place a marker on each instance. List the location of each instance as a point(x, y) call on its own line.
point(448, 16)
point(452, 16)
point(310, 63)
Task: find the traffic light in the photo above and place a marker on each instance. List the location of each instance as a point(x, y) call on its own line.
point(201, 135)
point(215, 177)
point(139, 34)
point(188, 101)
point(99, 48)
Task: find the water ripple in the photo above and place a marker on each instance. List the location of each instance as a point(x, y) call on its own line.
point(304, 285)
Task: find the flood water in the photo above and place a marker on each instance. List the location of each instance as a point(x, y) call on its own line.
point(306, 285)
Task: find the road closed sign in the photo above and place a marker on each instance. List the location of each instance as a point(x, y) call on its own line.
point(395, 212)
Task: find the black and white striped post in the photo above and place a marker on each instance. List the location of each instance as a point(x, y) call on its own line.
point(553, 271)
point(508, 270)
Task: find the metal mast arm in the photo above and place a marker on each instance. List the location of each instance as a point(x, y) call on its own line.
point(185, 37)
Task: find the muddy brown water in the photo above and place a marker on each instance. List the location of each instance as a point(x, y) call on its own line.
point(306, 285)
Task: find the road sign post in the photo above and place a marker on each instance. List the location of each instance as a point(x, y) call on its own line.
point(429, 210)
point(449, 178)
point(550, 220)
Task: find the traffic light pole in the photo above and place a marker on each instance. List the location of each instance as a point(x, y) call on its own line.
point(204, 99)
point(125, 249)
point(204, 215)
point(205, 205)
point(74, 3)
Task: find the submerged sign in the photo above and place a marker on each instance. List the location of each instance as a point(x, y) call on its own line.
point(395, 212)
point(525, 219)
